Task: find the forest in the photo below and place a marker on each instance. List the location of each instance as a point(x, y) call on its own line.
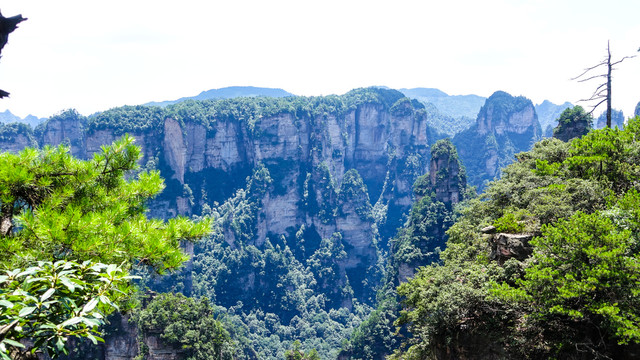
point(378, 224)
point(542, 263)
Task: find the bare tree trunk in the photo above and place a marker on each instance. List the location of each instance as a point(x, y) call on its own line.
point(609, 66)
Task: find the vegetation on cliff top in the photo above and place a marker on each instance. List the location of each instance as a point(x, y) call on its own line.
point(576, 296)
point(249, 110)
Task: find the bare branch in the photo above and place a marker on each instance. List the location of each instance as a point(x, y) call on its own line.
point(623, 59)
point(604, 62)
point(593, 98)
point(596, 106)
point(593, 77)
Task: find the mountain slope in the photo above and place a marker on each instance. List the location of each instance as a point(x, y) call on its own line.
point(227, 93)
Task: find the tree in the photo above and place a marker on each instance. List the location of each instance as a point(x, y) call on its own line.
point(583, 286)
point(573, 122)
point(56, 208)
point(603, 91)
point(297, 354)
point(7, 26)
point(49, 302)
point(188, 325)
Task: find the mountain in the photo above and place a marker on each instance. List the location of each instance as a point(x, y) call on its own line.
point(617, 119)
point(227, 93)
point(548, 114)
point(7, 117)
point(505, 125)
point(306, 193)
point(456, 106)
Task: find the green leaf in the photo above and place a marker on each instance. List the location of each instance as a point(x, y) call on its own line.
point(26, 311)
point(66, 282)
point(29, 271)
point(2, 353)
point(13, 343)
point(47, 294)
point(90, 306)
point(91, 322)
point(72, 321)
point(6, 303)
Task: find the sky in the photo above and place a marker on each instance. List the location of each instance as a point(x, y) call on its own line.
point(93, 56)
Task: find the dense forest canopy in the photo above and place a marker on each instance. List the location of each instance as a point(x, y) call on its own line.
point(572, 206)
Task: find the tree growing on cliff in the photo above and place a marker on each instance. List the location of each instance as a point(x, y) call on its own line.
point(602, 93)
point(55, 208)
point(7, 26)
point(573, 122)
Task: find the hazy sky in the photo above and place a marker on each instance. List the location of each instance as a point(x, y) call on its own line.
point(93, 56)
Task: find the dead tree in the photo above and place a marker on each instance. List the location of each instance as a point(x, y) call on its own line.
point(7, 26)
point(603, 91)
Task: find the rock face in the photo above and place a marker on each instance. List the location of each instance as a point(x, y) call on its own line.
point(507, 246)
point(573, 123)
point(548, 114)
point(446, 174)
point(206, 152)
point(505, 126)
point(424, 235)
point(617, 119)
point(67, 128)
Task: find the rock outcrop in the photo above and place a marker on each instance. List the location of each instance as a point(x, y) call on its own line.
point(573, 123)
point(505, 126)
point(446, 174)
point(424, 234)
point(508, 246)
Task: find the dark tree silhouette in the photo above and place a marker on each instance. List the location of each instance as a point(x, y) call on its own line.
point(603, 91)
point(7, 26)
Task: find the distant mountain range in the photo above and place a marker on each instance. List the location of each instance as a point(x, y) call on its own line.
point(7, 117)
point(464, 108)
point(449, 114)
point(227, 93)
point(548, 113)
point(456, 106)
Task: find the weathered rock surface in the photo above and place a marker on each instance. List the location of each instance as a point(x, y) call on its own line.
point(505, 125)
point(207, 158)
point(507, 246)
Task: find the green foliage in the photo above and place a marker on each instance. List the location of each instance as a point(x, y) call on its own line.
point(188, 325)
point(50, 302)
point(127, 119)
point(376, 337)
point(573, 122)
point(353, 193)
point(276, 293)
point(297, 354)
point(10, 132)
point(584, 274)
point(54, 208)
point(508, 223)
point(60, 207)
point(576, 296)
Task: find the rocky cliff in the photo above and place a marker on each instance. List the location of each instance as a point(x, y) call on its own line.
point(505, 125)
point(329, 162)
point(423, 236)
